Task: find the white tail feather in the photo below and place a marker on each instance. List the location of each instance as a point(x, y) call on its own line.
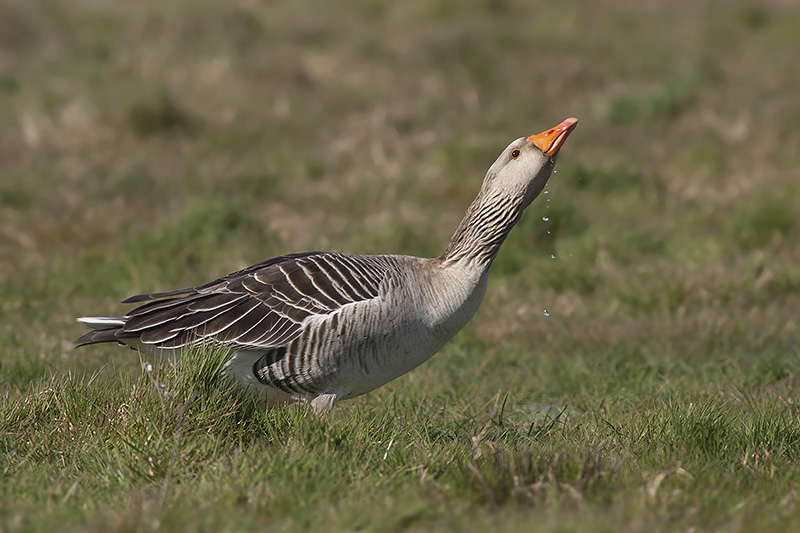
point(102, 322)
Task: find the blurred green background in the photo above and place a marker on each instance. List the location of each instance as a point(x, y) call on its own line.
point(151, 145)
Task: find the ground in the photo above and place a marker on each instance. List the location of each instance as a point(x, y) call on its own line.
point(635, 363)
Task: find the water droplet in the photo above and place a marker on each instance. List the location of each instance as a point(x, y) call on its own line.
point(552, 256)
point(548, 232)
point(546, 191)
point(545, 218)
point(546, 313)
point(570, 255)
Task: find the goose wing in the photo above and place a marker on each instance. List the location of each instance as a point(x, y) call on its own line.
point(259, 307)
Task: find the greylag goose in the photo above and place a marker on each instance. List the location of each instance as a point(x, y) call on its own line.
point(324, 326)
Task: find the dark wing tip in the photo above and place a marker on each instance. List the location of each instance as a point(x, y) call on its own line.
point(97, 336)
point(156, 295)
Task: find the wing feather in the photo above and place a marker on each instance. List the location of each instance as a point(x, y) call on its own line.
point(350, 278)
point(163, 304)
point(168, 317)
point(262, 306)
point(331, 277)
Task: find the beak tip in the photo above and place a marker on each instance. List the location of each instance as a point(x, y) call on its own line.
point(550, 141)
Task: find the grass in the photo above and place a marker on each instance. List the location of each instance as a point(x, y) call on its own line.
point(634, 365)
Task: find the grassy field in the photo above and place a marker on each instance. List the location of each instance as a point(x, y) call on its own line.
point(634, 366)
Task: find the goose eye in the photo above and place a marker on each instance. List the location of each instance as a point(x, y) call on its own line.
point(515, 153)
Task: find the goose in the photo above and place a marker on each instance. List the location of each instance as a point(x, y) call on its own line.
point(323, 326)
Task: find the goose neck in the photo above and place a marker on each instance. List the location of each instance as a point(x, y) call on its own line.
point(483, 229)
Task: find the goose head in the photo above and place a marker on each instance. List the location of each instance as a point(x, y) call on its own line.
point(523, 168)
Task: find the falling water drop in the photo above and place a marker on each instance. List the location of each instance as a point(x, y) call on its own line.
point(545, 218)
point(546, 313)
point(552, 256)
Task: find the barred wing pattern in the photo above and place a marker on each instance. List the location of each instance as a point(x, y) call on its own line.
point(259, 308)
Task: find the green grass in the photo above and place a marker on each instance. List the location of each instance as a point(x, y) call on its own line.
point(634, 365)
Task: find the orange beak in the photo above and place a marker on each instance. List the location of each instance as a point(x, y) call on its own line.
point(550, 141)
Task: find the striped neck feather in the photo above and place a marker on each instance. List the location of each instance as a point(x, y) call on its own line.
point(483, 229)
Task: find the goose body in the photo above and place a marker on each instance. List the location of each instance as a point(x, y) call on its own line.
point(323, 326)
